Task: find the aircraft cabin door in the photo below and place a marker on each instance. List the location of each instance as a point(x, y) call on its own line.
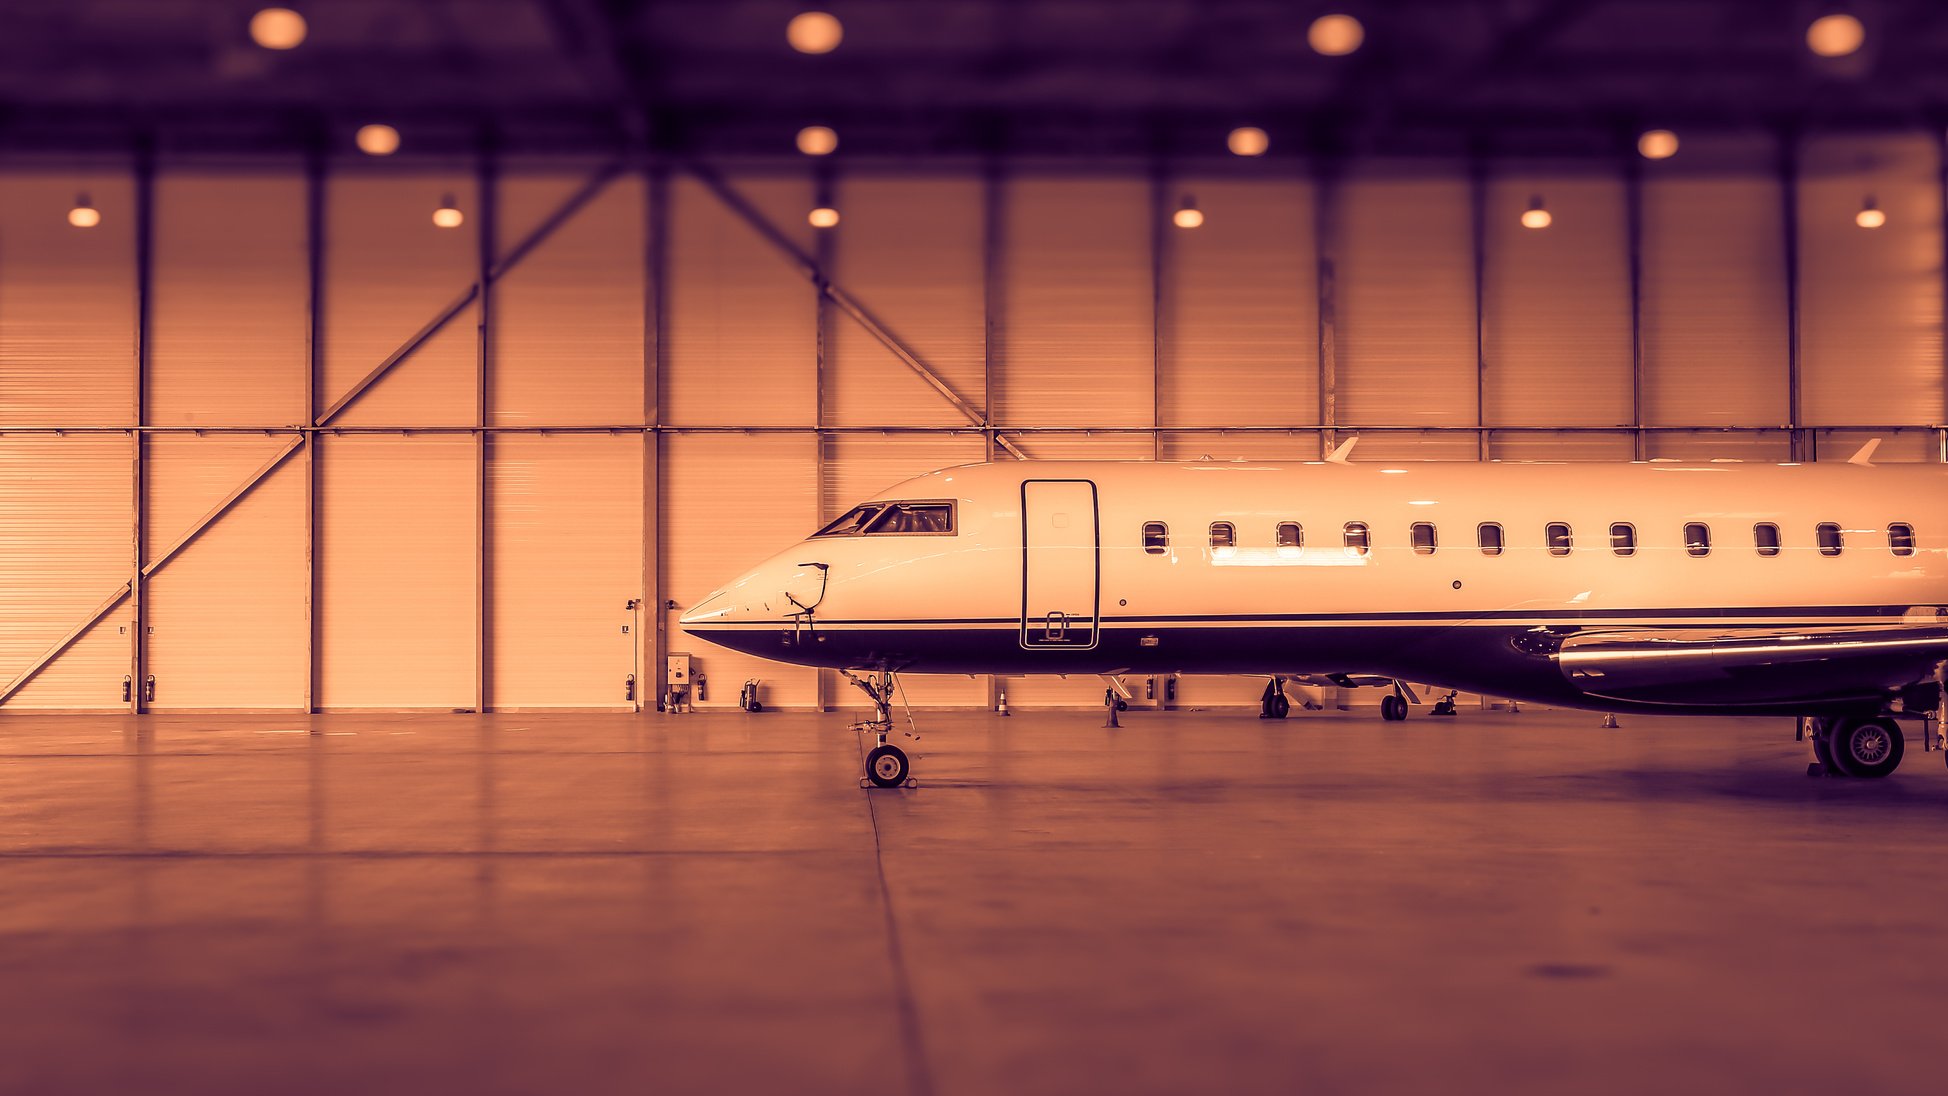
point(1060, 540)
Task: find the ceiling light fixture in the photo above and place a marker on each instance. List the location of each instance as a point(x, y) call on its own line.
point(1247, 141)
point(1187, 215)
point(818, 140)
point(449, 215)
point(277, 28)
point(823, 217)
point(1657, 144)
point(814, 32)
point(1870, 215)
point(377, 140)
point(1835, 35)
point(1536, 216)
point(84, 214)
point(1335, 35)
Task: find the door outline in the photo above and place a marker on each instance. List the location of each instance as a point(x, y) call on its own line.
point(1032, 624)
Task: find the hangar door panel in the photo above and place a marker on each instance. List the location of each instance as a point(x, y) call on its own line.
point(67, 302)
point(231, 286)
point(64, 549)
point(730, 502)
point(395, 571)
point(226, 615)
point(1059, 560)
point(388, 271)
point(564, 548)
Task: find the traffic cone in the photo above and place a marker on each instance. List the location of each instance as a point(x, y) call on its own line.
point(1001, 706)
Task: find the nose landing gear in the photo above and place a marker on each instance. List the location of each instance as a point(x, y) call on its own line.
point(886, 764)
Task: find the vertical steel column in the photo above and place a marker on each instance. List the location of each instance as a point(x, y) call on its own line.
point(992, 294)
point(145, 183)
point(992, 300)
point(824, 247)
point(483, 609)
point(1478, 242)
point(1941, 189)
point(1789, 205)
point(1159, 211)
point(649, 676)
point(1633, 228)
point(1325, 245)
point(314, 237)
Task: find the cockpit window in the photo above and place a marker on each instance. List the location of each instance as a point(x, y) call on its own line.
point(894, 518)
point(852, 521)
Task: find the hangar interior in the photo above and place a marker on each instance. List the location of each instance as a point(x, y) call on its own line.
point(380, 380)
point(345, 476)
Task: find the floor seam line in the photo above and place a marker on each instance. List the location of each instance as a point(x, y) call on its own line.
point(919, 1076)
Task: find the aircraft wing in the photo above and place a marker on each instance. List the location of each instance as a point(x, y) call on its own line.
point(1744, 665)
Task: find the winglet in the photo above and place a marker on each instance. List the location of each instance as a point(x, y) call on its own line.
point(1865, 458)
point(1343, 454)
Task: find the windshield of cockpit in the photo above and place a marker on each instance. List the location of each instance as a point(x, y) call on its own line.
point(929, 518)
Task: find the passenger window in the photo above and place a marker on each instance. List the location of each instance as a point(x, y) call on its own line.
point(1489, 535)
point(1900, 537)
point(1829, 538)
point(1291, 539)
point(1765, 535)
point(1156, 537)
point(1357, 541)
point(1423, 534)
point(1559, 539)
point(852, 521)
point(1224, 539)
point(1623, 538)
point(1697, 538)
point(911, 518)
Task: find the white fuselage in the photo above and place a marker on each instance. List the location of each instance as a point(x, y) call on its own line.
point(1047, 569)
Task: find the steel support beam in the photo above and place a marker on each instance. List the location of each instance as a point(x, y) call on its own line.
point(1633, 228)
point(824, 189)
point(992, 293)
point(1159, 214)
point(1941, 189)
point(649, 675)
point(1789, 206)
point(1478, 244)
point(145, 193)
point(314, 234)
point(1325, 244)
point(845, 302)
point(486, 191)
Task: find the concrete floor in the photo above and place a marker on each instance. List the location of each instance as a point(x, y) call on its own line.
point(1197, 902)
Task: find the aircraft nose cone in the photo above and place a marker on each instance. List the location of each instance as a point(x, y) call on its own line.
point(714, 607)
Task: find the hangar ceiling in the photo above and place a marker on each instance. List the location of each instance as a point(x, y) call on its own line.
point(958, 77)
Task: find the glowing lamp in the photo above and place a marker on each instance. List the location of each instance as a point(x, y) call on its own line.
point(1187, 215)
point(84, 214)
point(448, 215)
point(1247, 141)
point(1835, 35)
point(277, 28)
point(814, 32)
point(1335, 35)
point(1657, 144)
point(1536, 216)
point(823, 217)
point(376, 140)
point(1870, 215)
point(817, 140)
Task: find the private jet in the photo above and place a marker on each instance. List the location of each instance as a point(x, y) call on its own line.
point(1818, 591)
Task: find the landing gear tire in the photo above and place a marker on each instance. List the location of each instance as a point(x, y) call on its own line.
point(886, 766)
point(1393, 708)
point(1273, 704)
point(1867, 748)
point(1825, 766)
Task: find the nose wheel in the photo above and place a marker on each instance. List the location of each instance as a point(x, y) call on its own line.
point(886, 764)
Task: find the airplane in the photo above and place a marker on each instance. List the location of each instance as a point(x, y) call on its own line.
point(1818, 591)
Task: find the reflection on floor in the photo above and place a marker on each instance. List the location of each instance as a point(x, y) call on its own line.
point(1196, 902)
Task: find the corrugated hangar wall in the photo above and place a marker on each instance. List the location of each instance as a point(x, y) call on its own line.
point(265, 444)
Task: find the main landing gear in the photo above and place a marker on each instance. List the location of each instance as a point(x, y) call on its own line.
point(886, 764)
point(1862, 746)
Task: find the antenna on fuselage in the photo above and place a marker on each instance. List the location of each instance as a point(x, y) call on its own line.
point(1343, 454)
point(1865, 458)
